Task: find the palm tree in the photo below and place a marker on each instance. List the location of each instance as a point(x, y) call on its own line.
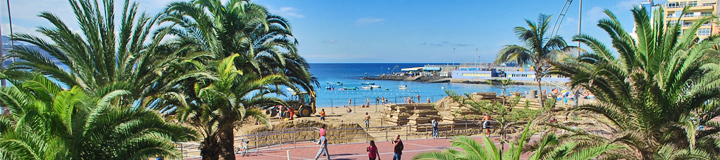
point(106, 56)
point(538, 49)
point(223, 102)
point(47, 122)
point(654, 94)
point(547, 148)
point(262, 49)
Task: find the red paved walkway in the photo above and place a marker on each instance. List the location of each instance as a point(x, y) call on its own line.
point(308, 150)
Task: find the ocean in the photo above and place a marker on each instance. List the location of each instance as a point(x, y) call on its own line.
point(350, 74)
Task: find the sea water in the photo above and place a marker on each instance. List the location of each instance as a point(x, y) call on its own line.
point(351, 74)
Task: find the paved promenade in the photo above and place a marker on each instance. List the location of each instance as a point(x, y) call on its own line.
point(306, 151)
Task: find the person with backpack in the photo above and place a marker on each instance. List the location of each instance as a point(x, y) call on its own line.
point(373, 151)
point(398, 147)
point(435, 128)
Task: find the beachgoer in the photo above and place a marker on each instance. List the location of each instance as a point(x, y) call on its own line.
point(398, 147)
point(486, 124)
point(349, 102)
point(367, 120)
point(349, 110)
point(280, 111)
point(368, 102)
point(322, 130)
point(428, 99)
point(322, 115)
point(323, 148)
point(418, 97)
point(435, 128)
point(553, 120)
point(373, 151)
point(377, 100)
point(291, 110)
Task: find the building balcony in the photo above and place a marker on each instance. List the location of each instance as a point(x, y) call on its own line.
point(695, 8)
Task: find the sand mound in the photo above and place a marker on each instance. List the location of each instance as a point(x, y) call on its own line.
point(305, 130)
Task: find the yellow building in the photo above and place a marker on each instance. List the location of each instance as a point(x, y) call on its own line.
point(699, 9)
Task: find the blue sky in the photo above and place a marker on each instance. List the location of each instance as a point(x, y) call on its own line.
point(387, 31)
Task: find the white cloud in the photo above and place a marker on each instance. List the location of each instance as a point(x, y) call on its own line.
point(628, 4)
point(286, 12)
point(369, 21)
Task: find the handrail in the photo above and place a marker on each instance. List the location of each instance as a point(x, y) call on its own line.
point(281, 138)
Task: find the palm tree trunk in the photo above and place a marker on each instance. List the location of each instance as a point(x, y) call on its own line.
point(227, 142)
point(210, 148)
point(538, 78)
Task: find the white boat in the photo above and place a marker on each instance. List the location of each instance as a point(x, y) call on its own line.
point(367, 83)
point(366, 87)
point(402, 87)
point(375, 86)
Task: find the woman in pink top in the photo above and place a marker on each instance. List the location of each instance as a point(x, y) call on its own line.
point(373, 151)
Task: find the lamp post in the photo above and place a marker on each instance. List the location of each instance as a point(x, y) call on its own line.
point(579, 26)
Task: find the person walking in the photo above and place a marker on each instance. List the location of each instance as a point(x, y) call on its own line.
point(373, 151)
point(349, 102)
point(322, 115)
point(486, 124)
point(367, 120)
point(398, 147)
point(323, 144)
point(435, 128)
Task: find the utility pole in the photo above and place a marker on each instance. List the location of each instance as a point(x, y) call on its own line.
point(579, 26)
point(2, 55)
point(453, 57)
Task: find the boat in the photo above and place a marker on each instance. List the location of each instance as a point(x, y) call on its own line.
point(402, 87)
point(367, 83)
point(366, 87)
point(375, 86)
point(350, 88)
point(339, 83)
point(329, 88)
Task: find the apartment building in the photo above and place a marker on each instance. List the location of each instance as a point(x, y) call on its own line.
point(698, 10)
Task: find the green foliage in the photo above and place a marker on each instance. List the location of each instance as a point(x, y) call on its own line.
point(105, 56)
point(654, 92)
point(264, 61)
point(51, 123)
point(547, 148)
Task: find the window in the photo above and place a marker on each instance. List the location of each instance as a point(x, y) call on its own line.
point(687, 24)
point(708, 4)
point(692, 3)
point(683, 4)
point(706, 24)
point(704, 32)
point(705, 14)
point(672, 5)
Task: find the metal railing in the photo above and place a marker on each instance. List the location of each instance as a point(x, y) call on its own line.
point(291, 137)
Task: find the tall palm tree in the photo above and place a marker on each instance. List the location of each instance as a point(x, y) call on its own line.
point(653, 93)
point(538, 49)
point(104, 57)
point(48, 122)
point(220, 103)
point(263, 50)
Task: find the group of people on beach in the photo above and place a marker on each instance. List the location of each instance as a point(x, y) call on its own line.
point(373, 150)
